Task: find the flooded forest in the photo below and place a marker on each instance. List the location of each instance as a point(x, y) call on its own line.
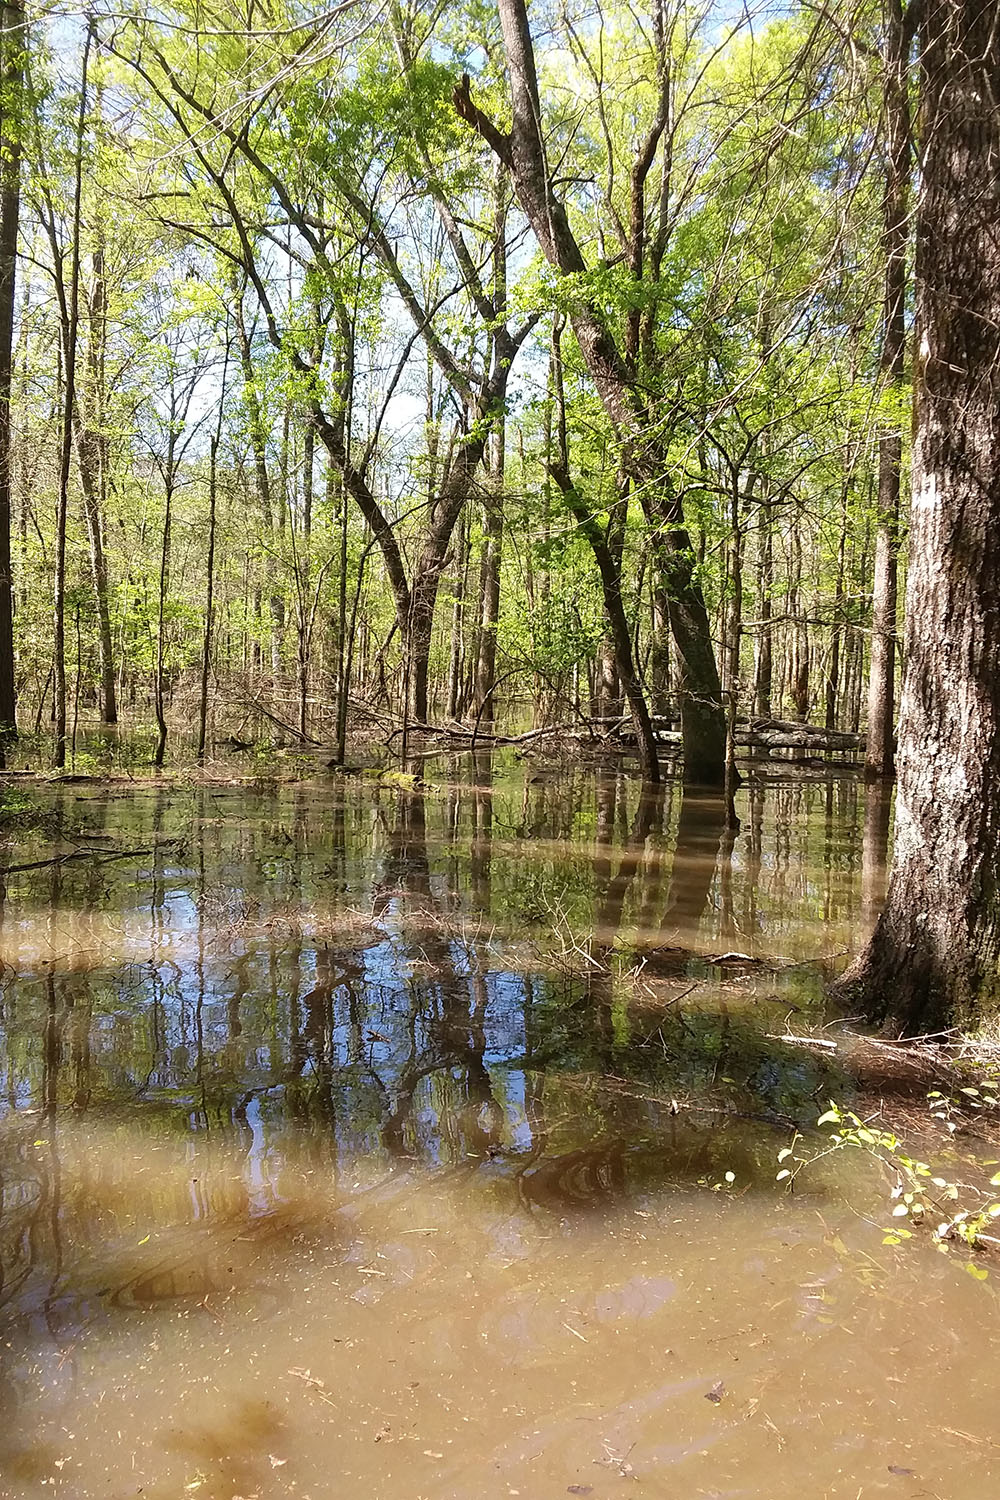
point(499, 750)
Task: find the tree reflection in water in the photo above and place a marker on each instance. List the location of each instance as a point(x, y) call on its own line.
point(300, 983)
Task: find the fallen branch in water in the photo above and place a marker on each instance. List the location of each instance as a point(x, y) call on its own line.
point(459, 732)
point(802, 1041)
point(103, 855)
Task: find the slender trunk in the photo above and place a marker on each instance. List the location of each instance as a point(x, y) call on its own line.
point(607, 698)
point(343, 656)
point(92, 457)
point(303, 576)
point(833, 667)
point(206, 645)
point(800, 629)
point(609, 568)
point(12, 46)
point(882, 672)
point(489, 612)
point(456, 652)
point(160, 672)
point(764, 668)
point(70, 332)
point(659, 660)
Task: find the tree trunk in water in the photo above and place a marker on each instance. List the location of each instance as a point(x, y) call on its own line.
point(457, 651)
point(934, 958)
point(12, 45)
point(159, 674)
point(489, 613)
point(206, 647)
point(304, 577)
point(833, 668)
point(882, 672)
point(764, 668)
point(92, 456)
point(800, 638)
point(70, 327)
point(614, 609)
point(659, 657)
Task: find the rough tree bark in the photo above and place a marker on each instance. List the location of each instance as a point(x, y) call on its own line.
point(934, 958)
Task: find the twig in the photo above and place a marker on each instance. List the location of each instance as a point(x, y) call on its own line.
point(259, 708)
point(803, 1041)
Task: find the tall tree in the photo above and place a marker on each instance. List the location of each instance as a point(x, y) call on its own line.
point(896, 132)
point(12, 45)
point(935, 954)
point(522, 150)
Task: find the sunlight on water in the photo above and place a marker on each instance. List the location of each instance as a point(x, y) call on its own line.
point(362, 1144)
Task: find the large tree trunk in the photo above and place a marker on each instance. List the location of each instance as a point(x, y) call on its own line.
point(882, 673)
point(934, 958)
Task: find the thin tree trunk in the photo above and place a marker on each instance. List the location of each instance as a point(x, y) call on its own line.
point(70, 332)
point(833, 666)
point(489, 612)
point(159, 675)
point(13, 40)
point(456, 651)
point(206, 646)
point(764, 669)
point(303, 577)
point(92, 457)
point(882, 672)
point(611, 578)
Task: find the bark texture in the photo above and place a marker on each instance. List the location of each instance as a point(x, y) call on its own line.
point(934, 958)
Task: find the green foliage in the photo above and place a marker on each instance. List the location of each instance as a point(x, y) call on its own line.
point(921, 1197)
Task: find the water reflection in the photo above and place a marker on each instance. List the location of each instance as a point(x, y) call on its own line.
point(340, 1042)
point(388, 970)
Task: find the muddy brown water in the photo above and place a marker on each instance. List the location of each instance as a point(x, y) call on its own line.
point(368, 1143)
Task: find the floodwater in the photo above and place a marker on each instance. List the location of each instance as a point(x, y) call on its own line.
point(379, 1144)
